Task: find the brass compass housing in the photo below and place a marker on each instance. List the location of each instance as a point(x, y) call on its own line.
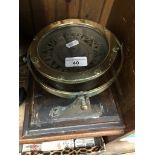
point(49, 49)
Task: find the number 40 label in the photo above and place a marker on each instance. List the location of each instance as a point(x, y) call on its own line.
point(76, 61)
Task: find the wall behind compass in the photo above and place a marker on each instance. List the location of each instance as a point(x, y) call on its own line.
point(122, 23)
point(35, 14)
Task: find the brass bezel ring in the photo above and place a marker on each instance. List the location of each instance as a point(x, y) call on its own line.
point(90, 93)
point(78, 77)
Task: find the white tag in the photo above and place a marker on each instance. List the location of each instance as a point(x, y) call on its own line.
point(31, 147)
point(72, 43)
point(57, 145)
point(83, 142)
point(76, 61)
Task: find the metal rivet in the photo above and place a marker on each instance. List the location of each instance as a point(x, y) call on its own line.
point(97, 72)
point(35, 38)
point(24, 59)
point(35, 60)
point(60, 77)
point(115, 49)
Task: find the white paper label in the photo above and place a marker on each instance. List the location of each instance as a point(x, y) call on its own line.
point(57, 145)
point(83, 142)
point(75, 61)
point(31, 147)
point(72, 43)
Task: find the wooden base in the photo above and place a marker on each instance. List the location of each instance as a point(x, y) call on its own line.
point(39, 126)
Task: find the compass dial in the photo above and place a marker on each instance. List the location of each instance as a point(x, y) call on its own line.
point(59, 44)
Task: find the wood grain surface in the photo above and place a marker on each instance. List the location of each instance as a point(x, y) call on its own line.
point(122, 23)
point(36, 14)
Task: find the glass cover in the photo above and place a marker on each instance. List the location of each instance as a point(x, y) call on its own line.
point(69, 43)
